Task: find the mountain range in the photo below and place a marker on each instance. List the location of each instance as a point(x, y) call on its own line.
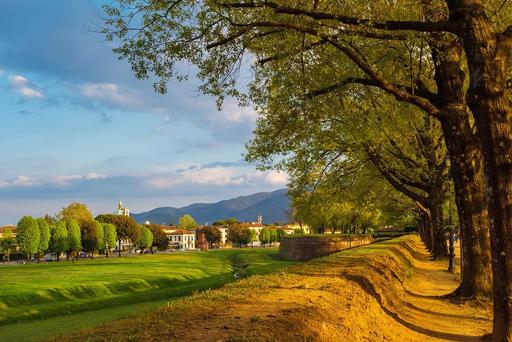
point(273, 206)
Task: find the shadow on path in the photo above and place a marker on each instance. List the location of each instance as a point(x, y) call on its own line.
point(370, 289)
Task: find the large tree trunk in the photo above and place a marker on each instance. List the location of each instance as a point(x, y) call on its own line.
point(426, 229)
point(466, 168)
point(469, 183)
point(439, 247)
point(489, 99)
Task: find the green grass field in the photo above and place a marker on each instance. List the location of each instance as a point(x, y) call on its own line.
point(43, 299)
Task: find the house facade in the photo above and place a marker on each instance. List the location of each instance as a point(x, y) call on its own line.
point(182, 240)
point(291, 227)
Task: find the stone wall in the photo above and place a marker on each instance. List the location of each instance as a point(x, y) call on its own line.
point(309, 247)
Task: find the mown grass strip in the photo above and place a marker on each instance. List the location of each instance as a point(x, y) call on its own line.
point(158, 280)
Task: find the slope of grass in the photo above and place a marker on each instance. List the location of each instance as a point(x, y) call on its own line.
point(389, 291)
point(39, 291)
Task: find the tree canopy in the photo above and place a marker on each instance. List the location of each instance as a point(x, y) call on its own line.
point(187, 222)
point(74, 237)
point(160, 239)
point(127, 228)
point(92, 236)
point(109, 237)
point(145, 240)
point(451, 60)
point(77, 212)
point(27, 235)
point(7, 242)
point(44, 237)
point(59, 240)
point(212, 234)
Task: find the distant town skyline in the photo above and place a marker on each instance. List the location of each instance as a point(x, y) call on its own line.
point(78, 127)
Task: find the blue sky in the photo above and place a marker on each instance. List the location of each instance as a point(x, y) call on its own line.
point(77, 126)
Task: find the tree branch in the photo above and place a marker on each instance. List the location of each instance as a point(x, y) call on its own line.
point(422, 91)
point(400, 187)
point(389, 25)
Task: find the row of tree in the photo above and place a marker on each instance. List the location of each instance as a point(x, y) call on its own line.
point(268, 236)
point(74, 231)
point(36, 237)
point(417, 91)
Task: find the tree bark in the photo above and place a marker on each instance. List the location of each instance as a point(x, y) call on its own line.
point(469, 183)
point(439, 248)
point(489, 99)
point(466, 169)
point(426, 228)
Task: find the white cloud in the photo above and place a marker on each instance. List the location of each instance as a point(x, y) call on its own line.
point(214, 176)
point(231, 112)
point(217, 176)
point(22, 86)
point(1, 72)
point(111, 94)
point(20, 181)
point(277, 178)
point(64, 180)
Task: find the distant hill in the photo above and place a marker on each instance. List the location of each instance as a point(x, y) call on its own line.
point(272, 205)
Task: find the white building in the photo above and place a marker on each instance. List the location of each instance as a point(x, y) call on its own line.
point(223, 235)
point(292, 227)
point(182, 240)
point(121, 210)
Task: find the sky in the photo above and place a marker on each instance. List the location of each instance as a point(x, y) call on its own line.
point(77, 126)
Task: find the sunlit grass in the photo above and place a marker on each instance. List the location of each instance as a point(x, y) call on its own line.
point(38, 291)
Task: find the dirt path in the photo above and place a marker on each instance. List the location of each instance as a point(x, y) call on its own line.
point(383, 292)
point(446, 319)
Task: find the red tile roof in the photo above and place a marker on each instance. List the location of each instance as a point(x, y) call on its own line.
point(182, 232)
point(168, 227)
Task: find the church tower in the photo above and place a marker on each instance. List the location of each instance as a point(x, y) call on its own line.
point(121, 210)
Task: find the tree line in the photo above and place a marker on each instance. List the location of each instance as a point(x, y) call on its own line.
point(418, 92)
point(74, 231)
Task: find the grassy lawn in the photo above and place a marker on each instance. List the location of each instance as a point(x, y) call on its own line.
point(42, 299)
point(387, 291)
